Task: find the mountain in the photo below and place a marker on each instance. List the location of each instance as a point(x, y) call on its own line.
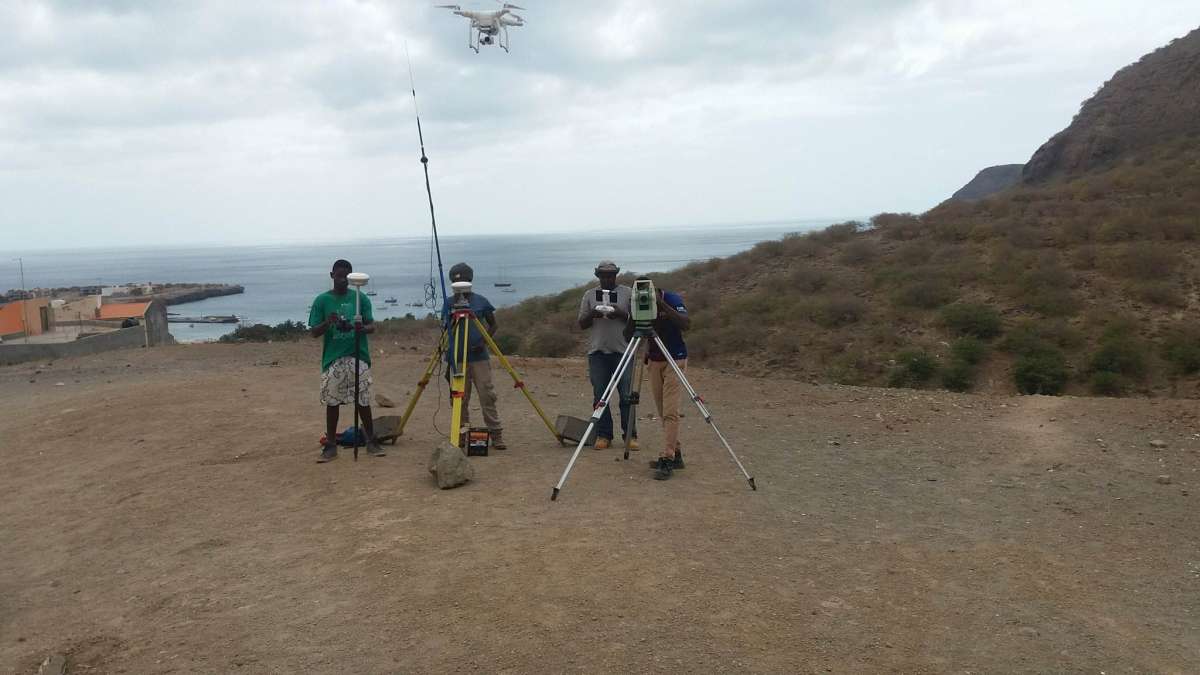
point(1082, 278)
point(1154, 100)
point(990, 181)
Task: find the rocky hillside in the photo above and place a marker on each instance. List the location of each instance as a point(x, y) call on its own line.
point(1152, 101)
point(1088, 283)
point(990, 181)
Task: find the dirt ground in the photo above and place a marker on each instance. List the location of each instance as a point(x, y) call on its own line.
point(161, 512)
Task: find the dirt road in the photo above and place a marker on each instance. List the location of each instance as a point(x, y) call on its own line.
point(161, 512)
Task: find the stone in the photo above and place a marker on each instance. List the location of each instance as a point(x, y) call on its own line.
point(450, 467)
point(384, 401)
point(1158, 444)
point(53, 665)
point(1163, 480)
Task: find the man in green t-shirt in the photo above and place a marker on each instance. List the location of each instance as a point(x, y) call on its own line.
point(332, 317)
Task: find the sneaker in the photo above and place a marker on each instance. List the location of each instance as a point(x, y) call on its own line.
point(328, 453)
point(498, 441)
point(602, 443)
point(663, 471)
point(678, 463)
point(374, 449)
point(632, 444)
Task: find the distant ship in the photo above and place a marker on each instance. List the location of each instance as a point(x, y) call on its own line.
point(503, 283)
point(391, 301)
point(372, 293)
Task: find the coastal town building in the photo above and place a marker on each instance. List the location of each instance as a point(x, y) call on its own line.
point(23, 318)
point(59, 328)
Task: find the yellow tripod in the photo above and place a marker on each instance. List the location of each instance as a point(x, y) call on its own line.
point(461, 321)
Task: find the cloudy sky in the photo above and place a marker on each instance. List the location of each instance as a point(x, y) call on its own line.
point(194, 121)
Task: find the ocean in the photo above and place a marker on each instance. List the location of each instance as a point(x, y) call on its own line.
point(281, 280)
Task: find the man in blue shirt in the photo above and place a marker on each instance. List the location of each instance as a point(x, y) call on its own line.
point(664, 385)
point(479, 367)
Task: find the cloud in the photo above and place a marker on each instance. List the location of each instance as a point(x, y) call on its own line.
point(244, 114)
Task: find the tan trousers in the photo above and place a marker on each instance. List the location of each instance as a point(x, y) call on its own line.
point(479, 375)
point(665, 387)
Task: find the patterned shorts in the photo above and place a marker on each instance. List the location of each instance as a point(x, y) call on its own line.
point(337, 383)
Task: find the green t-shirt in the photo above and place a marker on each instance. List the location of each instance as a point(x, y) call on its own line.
point(340, 343)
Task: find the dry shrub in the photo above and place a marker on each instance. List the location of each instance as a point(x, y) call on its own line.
point(897, 226)
point(551, 342)
point(698, 299)
point(927, 293)
point(1145, 260)
point(838, 233)
point(735, 270)
point(859, 252)
point(1047, 289)
point(1118, 228)
point(839, 310)
point(808, 280)
point(1159, 293)
point(912, 254)
point(853, 367)
point(784, 342)
point(802, 246)
point(1085, 257)
point(981, 321)
point(1181, 348)
point(768, 249)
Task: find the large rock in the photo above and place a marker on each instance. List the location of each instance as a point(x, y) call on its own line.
point(450, 466)
point(990, 181)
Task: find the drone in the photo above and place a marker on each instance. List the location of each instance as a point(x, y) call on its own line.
point(488, 28)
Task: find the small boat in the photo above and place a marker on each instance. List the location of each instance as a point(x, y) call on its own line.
point(372, 293)
point(503, 283)
point(391, 301)
point(415, 304)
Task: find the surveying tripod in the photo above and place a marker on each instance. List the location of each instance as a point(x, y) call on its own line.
point(643, 333)
point(461, 320)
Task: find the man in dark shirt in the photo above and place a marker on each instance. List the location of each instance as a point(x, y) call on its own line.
point(479, 367)
point(664, 385)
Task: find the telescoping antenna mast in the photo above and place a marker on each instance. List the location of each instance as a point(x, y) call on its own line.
point(429, 192)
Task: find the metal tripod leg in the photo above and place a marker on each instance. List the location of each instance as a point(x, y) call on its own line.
point(635, 397)
point(518, 383)
point(630, 351)
point(433, 362)
point(703, 409)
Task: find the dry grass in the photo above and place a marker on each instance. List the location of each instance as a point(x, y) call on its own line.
point(1049, 266)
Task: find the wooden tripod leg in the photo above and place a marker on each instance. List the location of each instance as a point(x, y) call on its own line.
point(412, 402)
point(518, 383)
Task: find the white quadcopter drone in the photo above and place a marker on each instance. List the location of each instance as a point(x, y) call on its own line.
point(488, 28)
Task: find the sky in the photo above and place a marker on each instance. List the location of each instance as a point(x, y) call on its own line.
point(127, 122)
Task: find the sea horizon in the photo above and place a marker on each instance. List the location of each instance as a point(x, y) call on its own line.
point(444, 233)
point(280, 280)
